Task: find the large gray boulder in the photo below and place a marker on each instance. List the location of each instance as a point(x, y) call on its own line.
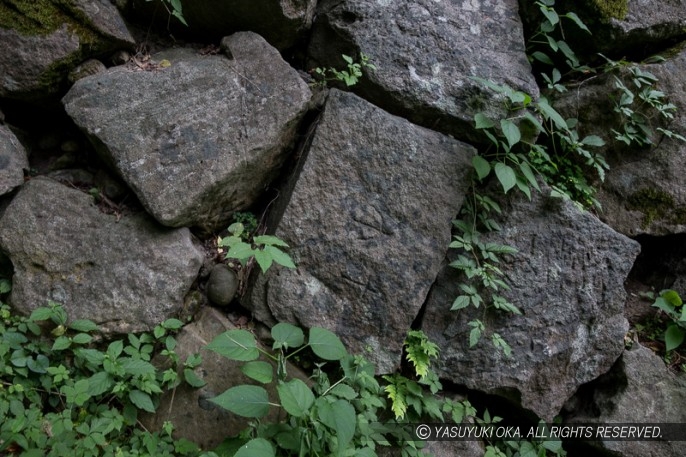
point(427, 54)
point(567, 279)
point(43, 42)
point(281, 22)
point(200, 139)
point(13, 160)
point(639, 389)
point(368, 221)
point(127, 275)
point(644, 191)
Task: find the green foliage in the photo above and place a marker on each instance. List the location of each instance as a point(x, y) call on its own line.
point(520, 447)
point(249, 222)
point(639, 102)
point(350, 76)
point(671, 304)
point(343, 412)
point(61, 393)
point(174, 8)
point(266, 249)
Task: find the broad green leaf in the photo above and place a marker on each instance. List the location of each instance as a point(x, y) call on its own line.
point(259, 371)
point(99, 383)
point(577, 21)
point(172, 324)
point(344, 391)
point(240, 251)
point(280, 257)
point(296, 398)
point(550, 14)
point(38, 365)
point(41, 314)
point(506, 176)
point(550, 113)
point(141, 400)
point(193, 379)
point(593, 140)
point(83, 325)
point(61, 343)
point(460, 302)
point(542, 57)
point(114, 349)
point(82, 338)
point(236, 229)
point(674, 336)
point(482, 167)
point(529, 174)
point(237, 345)
point(511, 132)
point(264, 260)
point(269, 240)
point(339, 416)
point(326, 344)
point(246, 401)
point(287, 335)
point(258, 447)
point(137, 367)
point(481, 121)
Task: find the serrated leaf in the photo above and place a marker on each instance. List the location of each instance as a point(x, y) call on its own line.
point(263, 259)
point(99, 383)
point(506, 176)
point(83, 325)
point(287, 335)
point(137, 367)
point(344, 391)
point(259, 371)
point(326, 344)
point(141, 400)
point(246, 401)
point(269, 240)
point(280, 257)
point(172, 324)
point(82, 338)
point(296, 398)
point(239, 345)
point(481, 166)
point(258, 447)
point(460, 302)
point(41, 314)
point(240, 251)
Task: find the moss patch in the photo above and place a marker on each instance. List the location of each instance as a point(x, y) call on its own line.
point(609, 9)
point(656, 205)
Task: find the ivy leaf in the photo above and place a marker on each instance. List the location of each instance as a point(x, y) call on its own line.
point(506, 176)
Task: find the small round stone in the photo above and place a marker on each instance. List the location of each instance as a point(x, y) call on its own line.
point(222, 285)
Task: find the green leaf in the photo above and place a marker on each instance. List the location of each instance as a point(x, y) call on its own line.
point(61, 343)
point(38, 365)
point(481, 121)
point(326, 344)
point(141, 400)
point(339, 416)
point(82, 338)
point(672, 297)
point(674, 336)
point(550, 14)
point(193, 379)
point(593, 140)
point(259, 371)
point(269, 240)
point(482, 167)
point(137, 367)
point(344, 391)
point(172, 324)
point(240, 251)
point(264, 260)
point(577, 21)
point(287, 336)
point(511, 132)
point(236, 229)
point(550, 113)
point(83, 325)
point(296, 398)
point(237, 345)
point(506, 176)
point(258, 447)
point(114, 349)
point(99, 383)
point(41, 314)
point(460, 302)
point(246, 401)
point(542, 57)
point(280, 257)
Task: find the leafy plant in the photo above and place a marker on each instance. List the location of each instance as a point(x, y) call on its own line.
point(671, 304)
point(341, 413)
point(61, 394)
point(350, 76)
point(520, 447)
point(249, 222)
point(266, 249)
point(174, 8)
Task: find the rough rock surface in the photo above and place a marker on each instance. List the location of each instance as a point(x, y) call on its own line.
point(635, 27)
point(193, 415)
point(43, 43)
point(281, 22)
point(643, 191)
point(127, 275)
point(567, 279)
point(648, 393)
point(427, 53)
point(368, 222)
point(201, 138)
point(13, 160)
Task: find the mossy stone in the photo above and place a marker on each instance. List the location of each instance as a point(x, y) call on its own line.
point(222, 285)
point(611, 9)
point(656, 205)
